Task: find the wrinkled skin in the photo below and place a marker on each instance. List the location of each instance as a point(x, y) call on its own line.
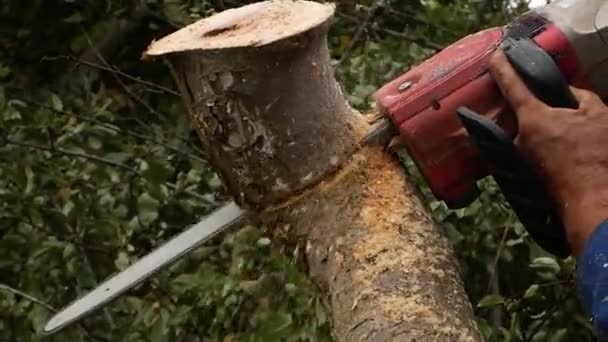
point(569, 148)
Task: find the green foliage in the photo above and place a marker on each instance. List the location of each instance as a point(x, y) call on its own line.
point(95, 172)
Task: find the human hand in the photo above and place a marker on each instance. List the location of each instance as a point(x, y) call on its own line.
point(569, 147)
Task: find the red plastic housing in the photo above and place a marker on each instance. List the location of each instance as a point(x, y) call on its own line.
point(422, 103)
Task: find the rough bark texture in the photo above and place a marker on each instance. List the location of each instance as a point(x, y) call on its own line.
point(278, 129)
point(257, 108)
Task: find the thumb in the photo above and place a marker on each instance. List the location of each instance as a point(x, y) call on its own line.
point(511, 85)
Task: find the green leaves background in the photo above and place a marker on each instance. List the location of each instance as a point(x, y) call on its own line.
point(98, 164)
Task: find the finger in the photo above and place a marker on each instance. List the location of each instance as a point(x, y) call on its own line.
point(588, 101)
point(512, 87)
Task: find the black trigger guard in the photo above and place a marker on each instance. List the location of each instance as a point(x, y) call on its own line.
point(519, 182)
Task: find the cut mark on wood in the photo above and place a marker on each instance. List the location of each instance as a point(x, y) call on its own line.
point(257, 24)
point(220, 31)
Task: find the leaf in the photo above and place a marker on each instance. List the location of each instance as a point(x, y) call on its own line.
point(434, 205)
point(56, 102)
point(514, 242)
point(559, 336)
point(134, 303)
point(158, 333)
point(291, 288)
point(320, 312)
point(180, 315)
point(94, 143)
point(29, 174)
point(122, 261)
point(531, 291)
point(67, 208)
point(118, 157)
point(74, 18)
point(69, 250)
point(490, 301)
point(4, 71)
point(214, 182)
point(274, 326)
point(150, 315)
point(514, 328)
point(156, 172)
point(185, 282)
point(148, 209)
point(38, 315)
point(546, 264)
point(11, 114)
point(263, 242)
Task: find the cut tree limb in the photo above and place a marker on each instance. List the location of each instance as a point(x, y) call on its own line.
point(259, 88)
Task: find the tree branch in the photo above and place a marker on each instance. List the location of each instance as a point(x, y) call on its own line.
point(40, 302)
point(112, 70)
point(100, 160)
point(358, 36)
point(501, 247)
point(116, 129)
point(405, 36)
point(118, 80)
point(27, 296)
point(419, 19)
point(71, 154)
point(353, 250)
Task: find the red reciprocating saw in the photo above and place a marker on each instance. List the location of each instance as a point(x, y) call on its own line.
point(551, 47)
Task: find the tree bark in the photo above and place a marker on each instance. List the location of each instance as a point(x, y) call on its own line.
point(260, 91)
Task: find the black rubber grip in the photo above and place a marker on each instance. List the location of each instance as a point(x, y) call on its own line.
point(518, 181)
point(540, 73)
point(521, 185)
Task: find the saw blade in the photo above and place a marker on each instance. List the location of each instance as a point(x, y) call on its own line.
point(379, 133)
point(228, 216)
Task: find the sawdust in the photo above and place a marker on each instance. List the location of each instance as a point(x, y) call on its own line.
point(382, 211)
point(395, 245)
point(257, 24)
point(381, 259)
point(417, 308)
point(326, 184)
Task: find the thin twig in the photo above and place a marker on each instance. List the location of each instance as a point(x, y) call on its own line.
point(40, 302)
point(501, 247)
point(28, 297)
point(405, 36)
point(81, 247)
point(410, 15)
point(493, 286)
point(550, 313)
point(100, 160)
point(112, 70)
point(118, 80)
point(357, 36)
point(114, 128)
point(415, 39)
point(71, 154)
point(419, 19)
point(191, 193)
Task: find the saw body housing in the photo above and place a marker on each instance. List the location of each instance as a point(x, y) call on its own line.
point(422, 102)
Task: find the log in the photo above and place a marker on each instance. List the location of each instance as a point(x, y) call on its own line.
point(259, 88)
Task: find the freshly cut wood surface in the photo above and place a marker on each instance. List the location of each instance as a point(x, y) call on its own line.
point(253, 25)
